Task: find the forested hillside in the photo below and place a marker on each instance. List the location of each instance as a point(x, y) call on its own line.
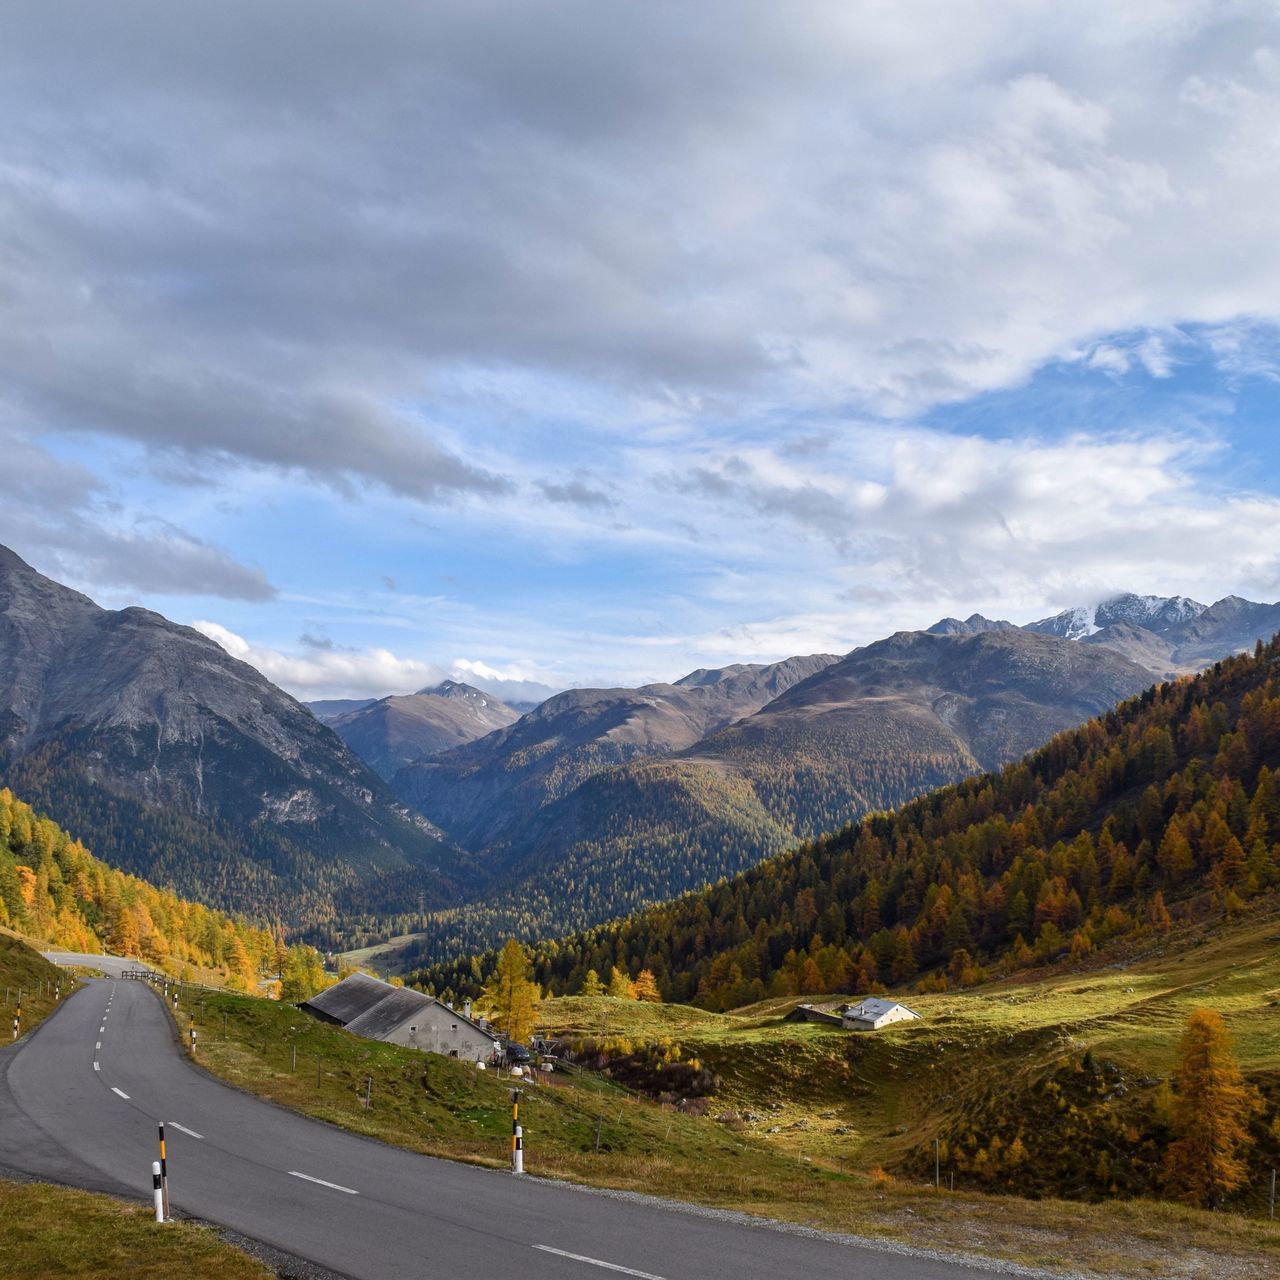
point(884, 724)
point(1165, 807)
point(53, 889)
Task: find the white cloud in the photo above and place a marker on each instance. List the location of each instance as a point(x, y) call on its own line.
point(338, 672)
point(898, 206)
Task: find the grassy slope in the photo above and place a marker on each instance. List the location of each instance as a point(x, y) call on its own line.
point(48, 1232)
point(806, 1174)
point(863, 1100)
point(24, 969)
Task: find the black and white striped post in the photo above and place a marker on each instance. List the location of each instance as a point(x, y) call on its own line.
point(17, 1017)
point(517, 1134)
point(157, 1196)
point(163, 1166)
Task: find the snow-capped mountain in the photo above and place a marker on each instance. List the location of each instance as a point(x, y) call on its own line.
point(1156, 614)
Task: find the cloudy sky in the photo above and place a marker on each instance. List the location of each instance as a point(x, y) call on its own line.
point(594, 342)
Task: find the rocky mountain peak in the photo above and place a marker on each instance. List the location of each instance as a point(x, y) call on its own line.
point(974, 624)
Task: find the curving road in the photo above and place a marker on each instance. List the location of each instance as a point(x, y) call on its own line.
point(79, 1102)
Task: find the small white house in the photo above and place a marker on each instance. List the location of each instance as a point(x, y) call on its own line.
point(874, 1013)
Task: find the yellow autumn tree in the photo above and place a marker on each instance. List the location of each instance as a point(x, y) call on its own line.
point(1210, 1113)
point(645, 987)
point(511, 998)
point(620, 985)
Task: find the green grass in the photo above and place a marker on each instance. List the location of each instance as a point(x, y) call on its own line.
point(866, 1099)
point(25, 974)
point(795, 1079)
point(48, 1232)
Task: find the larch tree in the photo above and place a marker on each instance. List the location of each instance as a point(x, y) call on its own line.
point(645, 987)
point(591, 984)
point(620, 987)
point(510, 996)
point(1210, 1113)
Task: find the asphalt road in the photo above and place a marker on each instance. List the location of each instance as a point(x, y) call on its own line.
point(81, 1095)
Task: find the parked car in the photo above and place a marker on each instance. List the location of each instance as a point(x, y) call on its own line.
point(518, 1055)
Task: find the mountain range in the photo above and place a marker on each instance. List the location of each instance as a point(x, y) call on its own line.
point(584, 810)
point(187, 766)
point(578, 817)
point(181, 763)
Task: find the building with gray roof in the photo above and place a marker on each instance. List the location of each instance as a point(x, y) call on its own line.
point(377, 1010)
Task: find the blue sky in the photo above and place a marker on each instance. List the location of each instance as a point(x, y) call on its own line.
point(591, 343)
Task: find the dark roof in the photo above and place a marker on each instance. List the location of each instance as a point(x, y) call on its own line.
point(372, 1008)
point(397, 1005)
point(356, 994)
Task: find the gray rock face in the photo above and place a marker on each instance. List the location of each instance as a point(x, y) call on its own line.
point(103, 708)
point(973, 625)
point(1169, 635)
point(392, 732)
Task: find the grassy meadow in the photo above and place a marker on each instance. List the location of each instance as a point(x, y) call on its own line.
point(806, 1119)
point(54, 1233)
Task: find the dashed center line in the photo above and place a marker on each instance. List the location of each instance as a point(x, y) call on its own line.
point(98, 1045)
point(97, 1066)
point(596, 1262)
point(293, 1173)
point(121, 1092)
point(191, 1133)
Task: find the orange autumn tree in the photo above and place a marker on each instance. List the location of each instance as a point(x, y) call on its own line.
point(1210, 1114)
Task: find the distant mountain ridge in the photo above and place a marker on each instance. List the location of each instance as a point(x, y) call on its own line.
point(1170, 635)
point(392, 732)
point(863, 733)
point(187, 766)
point(484, 790)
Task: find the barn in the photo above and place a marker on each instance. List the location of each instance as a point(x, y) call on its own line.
point(375, 1009)
point(873, 1013)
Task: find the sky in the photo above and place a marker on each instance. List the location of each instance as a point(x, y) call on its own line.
point(587, 343)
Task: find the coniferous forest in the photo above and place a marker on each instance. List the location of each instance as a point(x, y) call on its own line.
point(52, 888)
point(1164, 808)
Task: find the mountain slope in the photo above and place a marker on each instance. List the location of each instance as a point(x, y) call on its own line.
point(184, 764)
point(1170, 635)
point(882, 725)
point(1168, 804)
point(483, 792)
point(392, 732)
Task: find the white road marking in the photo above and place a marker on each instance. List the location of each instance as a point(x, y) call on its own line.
point(102, 1030)
point(97, 1066)
point(332, 1185)
point(98, 1045)
point(191, 1133)
point(595, 1262)
point(121, 1092)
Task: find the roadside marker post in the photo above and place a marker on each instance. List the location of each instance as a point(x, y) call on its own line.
point(157, 1196)
point(164, 1172)
point(517, 1134)
point(193, 1042)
